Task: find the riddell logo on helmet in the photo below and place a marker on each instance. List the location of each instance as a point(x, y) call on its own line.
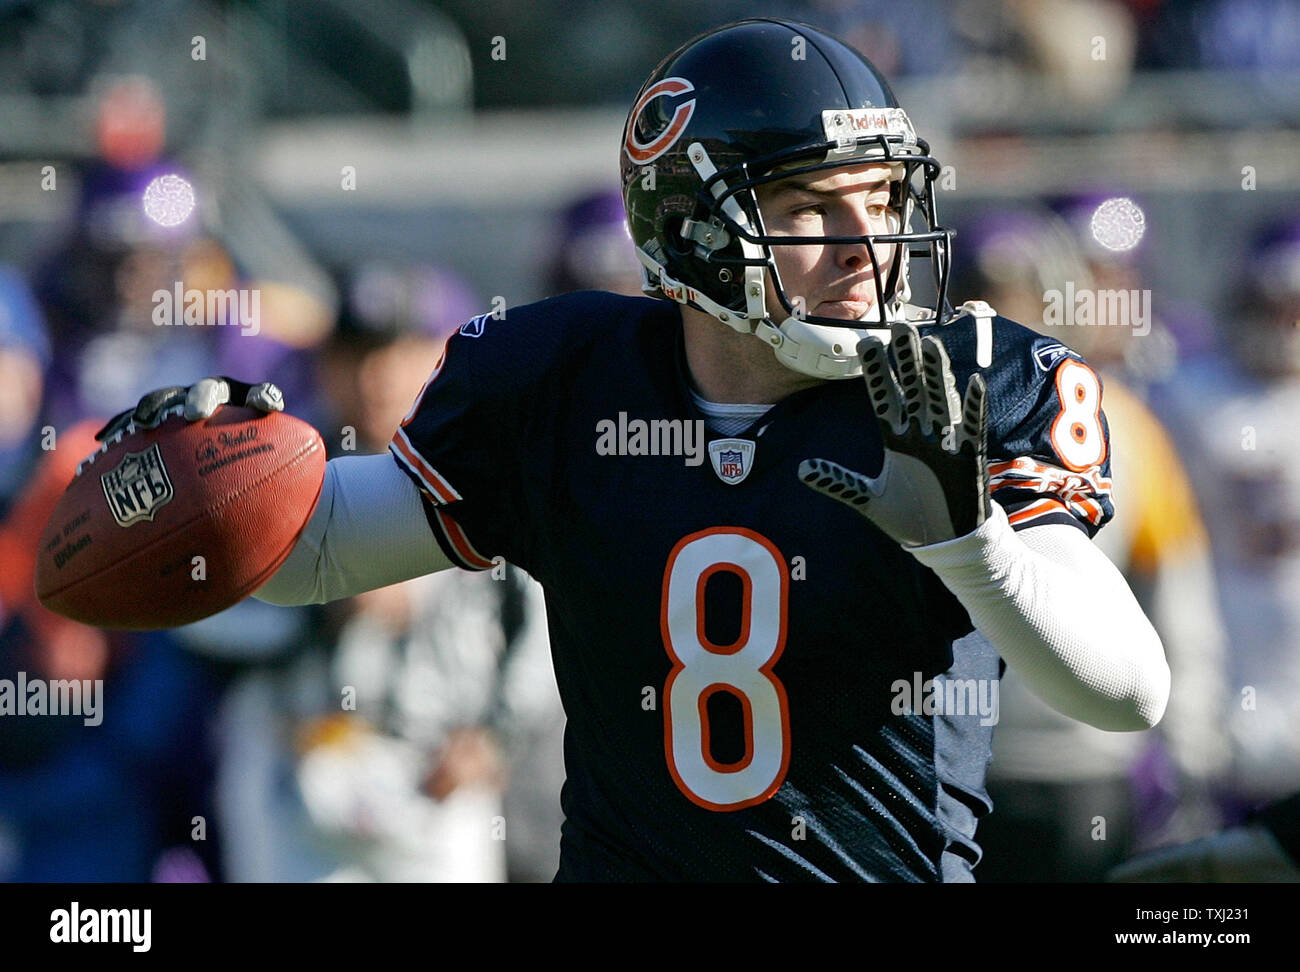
point(644, 152)
point(845, 124)
point(678, 292)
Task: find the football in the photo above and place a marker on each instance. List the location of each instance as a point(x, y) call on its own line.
point(167, 526)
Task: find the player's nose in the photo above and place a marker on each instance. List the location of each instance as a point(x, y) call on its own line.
point(861, 255)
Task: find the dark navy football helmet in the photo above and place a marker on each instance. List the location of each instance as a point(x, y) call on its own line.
point(748, 104)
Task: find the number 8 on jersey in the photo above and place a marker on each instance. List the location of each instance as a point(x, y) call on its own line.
point(743, 668)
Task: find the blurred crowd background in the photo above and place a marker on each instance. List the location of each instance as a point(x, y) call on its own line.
point(381, 172)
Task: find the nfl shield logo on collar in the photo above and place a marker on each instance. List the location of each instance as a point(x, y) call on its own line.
point(732, 459)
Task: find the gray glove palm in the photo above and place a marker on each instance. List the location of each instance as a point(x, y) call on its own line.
point(933, 485)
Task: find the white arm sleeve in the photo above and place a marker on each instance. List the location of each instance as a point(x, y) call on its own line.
point(368, 531)
point(1061, 614)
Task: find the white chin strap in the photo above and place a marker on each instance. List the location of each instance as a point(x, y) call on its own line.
point(819, 350)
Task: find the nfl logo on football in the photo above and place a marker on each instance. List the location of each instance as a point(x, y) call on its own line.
point(138, 486)
point(732, 459)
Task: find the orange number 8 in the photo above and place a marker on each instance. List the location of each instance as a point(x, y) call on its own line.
point(1076, 434)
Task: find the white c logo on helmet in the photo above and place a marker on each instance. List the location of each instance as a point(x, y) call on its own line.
point(643, 152)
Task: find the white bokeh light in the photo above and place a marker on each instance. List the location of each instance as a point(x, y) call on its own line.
point(1118, 224)
point(169, 200)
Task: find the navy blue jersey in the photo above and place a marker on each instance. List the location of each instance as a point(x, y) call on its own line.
point(731, 647)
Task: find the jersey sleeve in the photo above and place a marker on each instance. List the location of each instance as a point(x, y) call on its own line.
point(1049, 443)
point(463, 441)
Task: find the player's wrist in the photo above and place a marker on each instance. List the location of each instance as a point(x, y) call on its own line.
point(988, 543)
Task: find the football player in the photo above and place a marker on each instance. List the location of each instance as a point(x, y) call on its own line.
point(768, 508)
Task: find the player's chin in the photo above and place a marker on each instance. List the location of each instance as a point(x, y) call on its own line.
point(845, 310)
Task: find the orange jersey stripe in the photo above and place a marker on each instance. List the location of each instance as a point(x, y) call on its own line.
point(438, 487)
point(1026, 473)
point(1036, 509)
point(461, 543)
point(1091, 509)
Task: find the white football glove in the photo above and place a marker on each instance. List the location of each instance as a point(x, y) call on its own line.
point(198, 401)
point(933, 485)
